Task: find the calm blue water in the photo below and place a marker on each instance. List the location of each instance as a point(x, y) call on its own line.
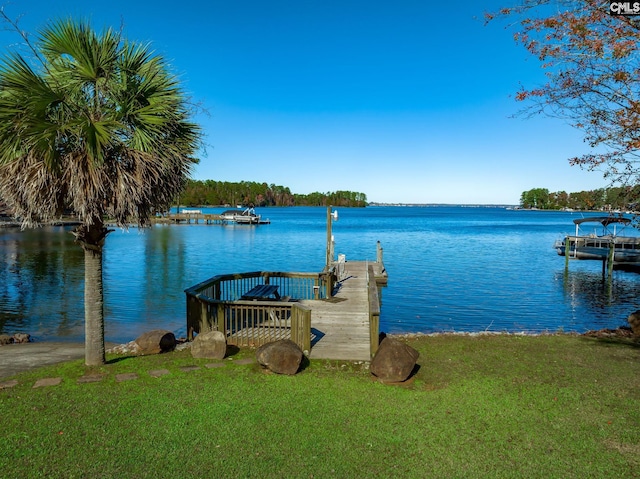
point(450, 269)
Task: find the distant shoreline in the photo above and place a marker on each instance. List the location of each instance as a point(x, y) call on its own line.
point(8, 222)
point(456, 205)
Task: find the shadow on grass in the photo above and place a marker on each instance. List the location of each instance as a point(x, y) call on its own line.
point(413, 373)
point(621, 336)
point(119, 359)
point(613, 341)
point(406, 383)
point(304, 364)
point(232, 350)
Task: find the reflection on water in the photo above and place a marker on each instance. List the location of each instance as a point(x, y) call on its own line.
point(450, 269)
point(41, 282)
point(590, 291)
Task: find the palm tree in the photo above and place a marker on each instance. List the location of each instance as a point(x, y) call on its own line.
point(98, 125)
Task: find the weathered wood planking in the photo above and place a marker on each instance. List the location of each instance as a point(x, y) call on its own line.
point(341, 324)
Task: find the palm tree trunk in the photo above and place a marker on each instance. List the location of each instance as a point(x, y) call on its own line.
point(93, 308)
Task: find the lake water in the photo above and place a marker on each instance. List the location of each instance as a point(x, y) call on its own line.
point(450, 269)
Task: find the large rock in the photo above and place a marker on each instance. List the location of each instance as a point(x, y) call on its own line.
point(6, 339)
point(21, 338)
point(156, 341)
point(281, 357)
point(634, 322)
point(209, 345)
point(394, 361)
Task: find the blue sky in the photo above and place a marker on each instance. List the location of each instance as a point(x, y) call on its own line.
point(406, 101)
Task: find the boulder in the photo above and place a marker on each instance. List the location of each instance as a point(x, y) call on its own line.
point(212, 344)
point(281, 357)
point(394, 361)
point(5, 339)
point(21, 338)
point(634, 322)
point(156, 341)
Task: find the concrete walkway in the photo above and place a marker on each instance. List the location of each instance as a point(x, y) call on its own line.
point(23, 357)
point(17, 358)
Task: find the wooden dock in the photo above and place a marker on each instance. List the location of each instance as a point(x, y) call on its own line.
point(207, 219)
point(334, 314)
point(340, 325)
point(204, 218)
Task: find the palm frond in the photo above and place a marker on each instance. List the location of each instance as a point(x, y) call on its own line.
point(103, 128)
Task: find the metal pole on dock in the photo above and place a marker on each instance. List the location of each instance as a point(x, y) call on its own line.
point(330, 216)
point(328, 261)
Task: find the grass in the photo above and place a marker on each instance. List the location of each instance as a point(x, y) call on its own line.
point(499, 406)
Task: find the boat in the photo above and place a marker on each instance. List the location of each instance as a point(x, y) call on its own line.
point(594, 238)
point(247, 216)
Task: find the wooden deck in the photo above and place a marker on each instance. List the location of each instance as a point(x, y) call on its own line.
point(334, 314)
point(341, 324)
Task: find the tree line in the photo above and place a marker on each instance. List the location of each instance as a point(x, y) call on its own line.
point(251, 193)
point(621, 198)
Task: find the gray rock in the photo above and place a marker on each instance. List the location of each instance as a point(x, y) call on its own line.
point(21, 338)
point(6, 339)
point(156, 341)
point(394, 360)
point(281, 357)
point(211, 345)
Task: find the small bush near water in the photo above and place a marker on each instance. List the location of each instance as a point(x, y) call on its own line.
point(478, 406)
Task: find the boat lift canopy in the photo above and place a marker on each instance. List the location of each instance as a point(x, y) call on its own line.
point(605, 221)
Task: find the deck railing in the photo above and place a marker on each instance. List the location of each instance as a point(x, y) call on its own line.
point(374, 310)
point(217, 305)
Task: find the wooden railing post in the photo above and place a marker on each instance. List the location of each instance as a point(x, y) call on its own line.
point(374, 313)
point(301, 327)
point(329, 284)
point(220, 323)
point(191, 324)
point(205, 324)
point(611, 258)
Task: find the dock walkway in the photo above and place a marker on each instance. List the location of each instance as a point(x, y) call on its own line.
point(340, 325)
point(334, 314)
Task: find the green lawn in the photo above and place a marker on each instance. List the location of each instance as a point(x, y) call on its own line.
point(485, 406)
